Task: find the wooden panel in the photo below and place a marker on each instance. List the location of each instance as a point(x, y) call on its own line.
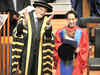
point(93, 26)
point(0, 51)
point(58, 23)
point(94, 72)
point(85, 8)
point(8, 44)
point(5, 48)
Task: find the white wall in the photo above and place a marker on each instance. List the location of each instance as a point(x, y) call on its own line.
point(62, 5)
point(57, 1)
point(62, 1)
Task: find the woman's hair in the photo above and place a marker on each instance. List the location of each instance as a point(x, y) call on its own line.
point(71, 12)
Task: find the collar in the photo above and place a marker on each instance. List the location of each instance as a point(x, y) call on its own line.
point(35, 16)
point(71, 29)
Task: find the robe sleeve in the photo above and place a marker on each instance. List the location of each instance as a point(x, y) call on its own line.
point(82, 56)
point(84, 48)
point(57, 44)
point(18, 46)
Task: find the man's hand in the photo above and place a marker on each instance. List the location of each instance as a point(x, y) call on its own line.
point(77, 50)
point(49, 18)
point(19, 70)
point(25, 16)
point(48, 26)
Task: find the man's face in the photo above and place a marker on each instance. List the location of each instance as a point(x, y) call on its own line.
point(71, 20)
point(40, 11)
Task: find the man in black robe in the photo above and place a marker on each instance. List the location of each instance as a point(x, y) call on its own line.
point(28, 40)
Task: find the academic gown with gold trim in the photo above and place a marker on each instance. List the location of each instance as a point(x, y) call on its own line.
point(26, 45)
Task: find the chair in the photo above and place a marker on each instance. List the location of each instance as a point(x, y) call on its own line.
point(92, 23)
